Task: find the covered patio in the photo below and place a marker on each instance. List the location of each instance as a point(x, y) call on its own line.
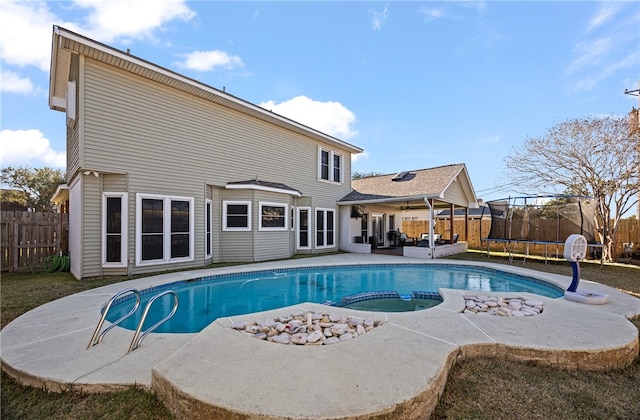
point(377, 206)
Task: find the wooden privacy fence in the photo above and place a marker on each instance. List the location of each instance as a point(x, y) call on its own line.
point(27, 237)
point(628, 232)
point(415, 228)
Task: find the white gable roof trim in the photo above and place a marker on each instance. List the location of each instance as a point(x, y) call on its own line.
point(65, 43)
point(263, 188)
point(392, 199)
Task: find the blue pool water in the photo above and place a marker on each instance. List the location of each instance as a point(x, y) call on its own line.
point(202, 301)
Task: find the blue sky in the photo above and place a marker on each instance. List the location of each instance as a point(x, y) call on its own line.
point(415, 84)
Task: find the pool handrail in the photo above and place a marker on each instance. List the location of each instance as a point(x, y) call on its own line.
point(97, 337)
point(137, 337)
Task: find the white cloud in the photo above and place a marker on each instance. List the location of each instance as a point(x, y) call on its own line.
point(590, 53)
point(25, 33)
point(113, 19)
point(26, 26)
point(379, 18)
point(331, 118)
point(29, 147)
point(208, 60)
point(605, 14)
point(433, 12)
point(12, 82)
point(360, 156)
point(609, 51)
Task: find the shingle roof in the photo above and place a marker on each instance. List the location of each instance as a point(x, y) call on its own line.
point(421, 182)
point(263, 184)
point(480, 211)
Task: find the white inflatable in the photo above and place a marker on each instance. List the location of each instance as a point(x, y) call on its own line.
point(587, 296)
point(575, 249)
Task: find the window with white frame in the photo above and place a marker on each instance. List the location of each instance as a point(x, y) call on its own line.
point(292, 220)
point(337, 168)
point(325, 228)
point(208, 235)
point(236, 215)
point(114, 229)
point(164, 229)
point(329, 165)
point(304, 233)
point(273, 216)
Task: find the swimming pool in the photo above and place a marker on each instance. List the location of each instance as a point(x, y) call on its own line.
point(206, 299)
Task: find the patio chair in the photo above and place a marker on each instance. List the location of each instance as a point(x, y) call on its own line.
point(424, 240)
point(405, 240)
point(449, 241)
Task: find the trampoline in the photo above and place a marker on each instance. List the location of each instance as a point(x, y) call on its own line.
point(541, 223)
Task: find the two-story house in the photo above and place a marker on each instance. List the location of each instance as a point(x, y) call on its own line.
point(165, 172)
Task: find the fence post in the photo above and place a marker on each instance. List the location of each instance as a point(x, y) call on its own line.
point(14, 244)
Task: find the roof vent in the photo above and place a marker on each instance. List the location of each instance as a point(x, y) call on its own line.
point(400, 176)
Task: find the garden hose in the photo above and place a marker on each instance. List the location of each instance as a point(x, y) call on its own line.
point(54, 263)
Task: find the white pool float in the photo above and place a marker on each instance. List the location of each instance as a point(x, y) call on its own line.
point(575, 249)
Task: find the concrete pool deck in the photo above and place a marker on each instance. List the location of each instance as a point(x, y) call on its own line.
point(397, 370)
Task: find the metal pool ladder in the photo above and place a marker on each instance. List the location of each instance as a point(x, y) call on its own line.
point(137, 337)
point(97, 336)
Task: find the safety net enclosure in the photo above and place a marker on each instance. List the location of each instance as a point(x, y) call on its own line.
point(542, 219)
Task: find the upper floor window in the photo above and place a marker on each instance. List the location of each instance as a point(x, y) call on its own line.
point(273, 216)
point(236, 215)
point(330, 165)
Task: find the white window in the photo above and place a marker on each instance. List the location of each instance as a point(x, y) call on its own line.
point(325, 228)
point(236, 215)
point(114, 229)
point(330, 165)
point(164, 229)
point(304, 233)
point(273, 216)
point(208, 235)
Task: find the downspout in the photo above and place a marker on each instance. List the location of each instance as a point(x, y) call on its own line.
point(431, 244)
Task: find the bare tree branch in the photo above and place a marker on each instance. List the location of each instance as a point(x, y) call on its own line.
point(596, 156)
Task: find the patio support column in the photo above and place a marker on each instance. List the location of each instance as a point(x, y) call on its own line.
point(466, 224)
point(431, 244)
point(451, 218)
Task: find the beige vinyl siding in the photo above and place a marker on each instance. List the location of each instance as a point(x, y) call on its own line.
point(455, 194)
point(114, 182)
point(75, 227)
point(236, 246)
point(73, 131)
point(91, 226)
point(129, 131)
point(172, 143)
point(216, 221)
point(270, 245)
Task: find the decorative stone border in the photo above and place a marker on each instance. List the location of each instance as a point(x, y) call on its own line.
point(502, 306)
point(310, 328)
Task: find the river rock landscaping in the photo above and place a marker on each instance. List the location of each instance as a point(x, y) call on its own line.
point(502, 306)
point(310, 328)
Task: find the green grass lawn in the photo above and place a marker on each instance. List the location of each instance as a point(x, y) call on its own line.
point(482, 388)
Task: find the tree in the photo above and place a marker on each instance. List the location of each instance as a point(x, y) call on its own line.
point(360, 175)
point(37, 186)
point(596, 157)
